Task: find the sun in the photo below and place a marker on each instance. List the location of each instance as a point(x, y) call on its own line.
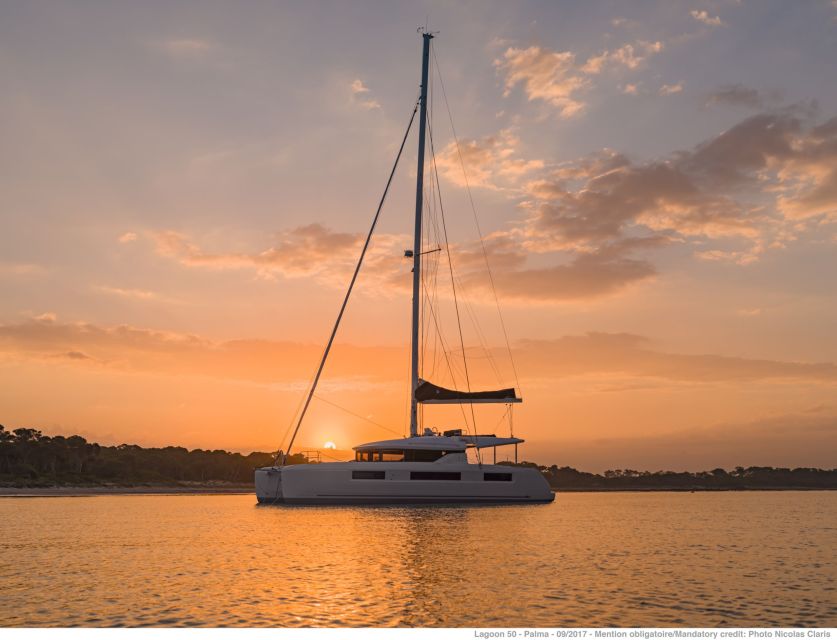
point(329, 445)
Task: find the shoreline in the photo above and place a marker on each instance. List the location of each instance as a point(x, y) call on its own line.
point(139, 490)
point(683, 490)
point(78, 492)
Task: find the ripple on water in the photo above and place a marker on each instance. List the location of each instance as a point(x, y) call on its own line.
point(593, 559)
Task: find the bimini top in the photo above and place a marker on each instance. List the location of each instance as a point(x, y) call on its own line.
point(438, 443)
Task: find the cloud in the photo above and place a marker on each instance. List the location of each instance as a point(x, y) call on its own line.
point(624, 22)
point(600, 375)
point(750, 312)
point(546, 75)
point(76, 355)
point(744, 257)
point(705, 18)
point(808, 177)
point(736, 95)
point(588, 226)
point(21, 269)
point(633, 355)
point(184, 48)
point(736, 155)
point(697, 193)
point(317, 252)
point(630, 89)
point(309, 251)
point(555, 77)
point(786, 441)
point(629, 56)
point(359, 87)
point(297, 252)
point(127, 237)
point(609, 201)
point(134, 349)
point(359, 91)
point(489, 162)
point(130, 349)
point(140, 294)
point(605, 271)
point(669, 89)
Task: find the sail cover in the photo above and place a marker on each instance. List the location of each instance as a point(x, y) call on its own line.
point(429, 393)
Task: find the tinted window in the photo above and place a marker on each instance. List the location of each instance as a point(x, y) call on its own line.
point(368, 475)
point(394, 455)
point(497, 477)
point(413, 455)
point(369, 456)
point(435, 475)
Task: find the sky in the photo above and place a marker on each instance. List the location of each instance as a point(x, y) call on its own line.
point(185, 188)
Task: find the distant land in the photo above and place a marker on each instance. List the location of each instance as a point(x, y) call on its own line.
point(31, 460)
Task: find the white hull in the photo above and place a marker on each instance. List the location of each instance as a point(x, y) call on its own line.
point(400, 483)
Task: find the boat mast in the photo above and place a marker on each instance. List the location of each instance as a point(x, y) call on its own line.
point(425, 60)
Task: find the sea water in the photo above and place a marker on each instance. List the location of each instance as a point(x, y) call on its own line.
point(594, 559)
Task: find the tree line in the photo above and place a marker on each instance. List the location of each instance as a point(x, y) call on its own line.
point(567, 478)
point(30, 458)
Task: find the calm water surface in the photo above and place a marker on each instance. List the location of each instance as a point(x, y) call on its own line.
point(653, 559)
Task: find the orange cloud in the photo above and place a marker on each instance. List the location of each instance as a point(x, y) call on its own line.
point(615, 393)
point(595, 216)
point(546, 75)
point(556, 78)
point(788, 440)
point(705, 18)
point(606, 270)
point(309, 251)
point(139, 294)
point(133, 349)
point(489, 162)
point(670, 89)
point(633, 355)
point(629, 56)
point(359, 91)
point(699, 193)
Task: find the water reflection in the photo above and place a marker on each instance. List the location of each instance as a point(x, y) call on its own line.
point(597, 559)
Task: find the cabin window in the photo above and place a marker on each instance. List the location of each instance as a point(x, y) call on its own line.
point(497, 477)
point(418, 455)
point(368, 475)
point(435, 475)
point(397, 455)
point(379, 456)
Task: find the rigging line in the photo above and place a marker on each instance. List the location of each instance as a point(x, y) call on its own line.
point(445, 353)
point(432, 264)
point(453, 287)
point(503, 417)
point(357, 415)
point(476, 221)
point(426, 270)
point(472, 316)
point(325, 455)
point(352, 283)
point(293, 419)
point(432, 270)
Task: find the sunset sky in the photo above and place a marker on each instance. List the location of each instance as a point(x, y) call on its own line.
point(185, 187)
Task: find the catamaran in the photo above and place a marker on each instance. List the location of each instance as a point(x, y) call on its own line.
point(427, 467)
